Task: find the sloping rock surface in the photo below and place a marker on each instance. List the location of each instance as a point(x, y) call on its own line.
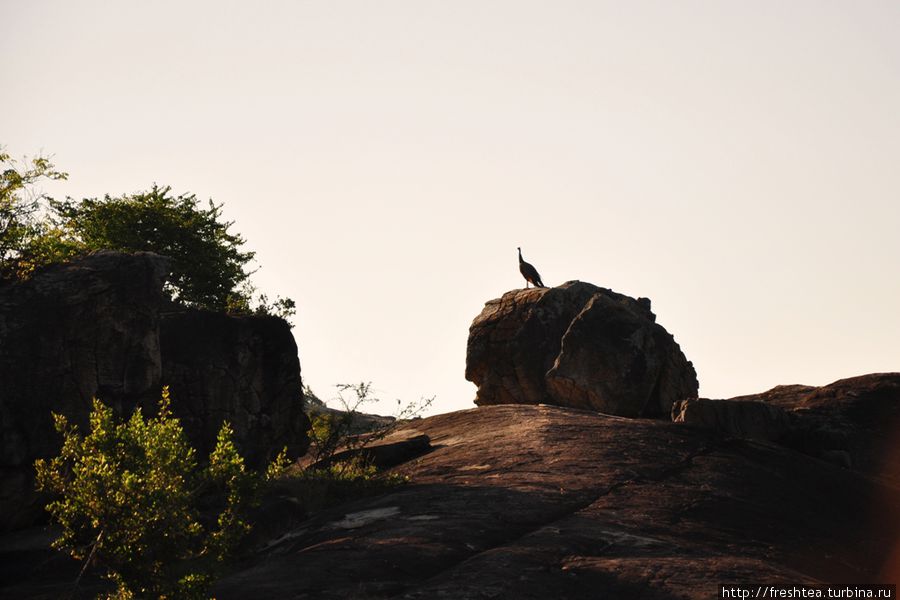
point(546, 502)
point(852, 422)
point(536, 502)
point(580, 346)
point(92, 328)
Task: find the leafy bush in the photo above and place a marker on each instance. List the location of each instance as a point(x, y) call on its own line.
point(241, 302)
point(19, 209)
point(207, 261)
point(337, 468)
point(343, 481)
point(348, 429)
point(128, 496)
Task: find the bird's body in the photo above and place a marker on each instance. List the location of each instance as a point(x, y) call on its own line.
point(529, 272)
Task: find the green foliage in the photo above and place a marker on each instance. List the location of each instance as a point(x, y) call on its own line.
point(19, 209)
point(128, 494)
point(49, 245)
point(348, 429)
point(331, 431)
point(311, 401)
point(320, 488)
point(338, 468)
point(326, 432)
point(241, 302)
point(209, 267)
point(208, 263)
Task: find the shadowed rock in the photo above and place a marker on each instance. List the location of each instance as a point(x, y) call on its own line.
point(547, 502)
point(580, 346)
point(243, 370)
point(536, 502)
point(74, 331)
point(91, 328)
point(852, 422)
point(748, 419)
point(381, 455)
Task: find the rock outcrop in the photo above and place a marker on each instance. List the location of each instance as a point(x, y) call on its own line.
point(92, 328)
point(535, 502)
point(577, 345)
point(749, 419)
point(74, 331)
point(243, 370)
point(852, 422)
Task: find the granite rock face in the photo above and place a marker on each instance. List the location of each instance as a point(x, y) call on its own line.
point(580, 346)
point(243, 370)
point(748, 419)
point(852, 422)
point(538, 502)
point(535, 502)
point(73, 332)
point(93, 328)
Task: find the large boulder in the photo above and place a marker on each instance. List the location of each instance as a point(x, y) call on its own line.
point(577, 345)
point(74, 331)
point(92, 328)
point(243, 370)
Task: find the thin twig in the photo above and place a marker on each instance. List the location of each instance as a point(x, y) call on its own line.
point(87, 562)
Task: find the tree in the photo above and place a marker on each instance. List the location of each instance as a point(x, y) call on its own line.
point(208, 265)
point(19, 205)
point(128, 496)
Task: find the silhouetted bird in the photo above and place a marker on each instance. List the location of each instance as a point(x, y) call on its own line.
point(529, 272)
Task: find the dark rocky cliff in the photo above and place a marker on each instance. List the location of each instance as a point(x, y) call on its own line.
point(95, 328)
point(243, 370)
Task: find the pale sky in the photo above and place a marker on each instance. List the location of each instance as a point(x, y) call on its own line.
point(736, 162)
